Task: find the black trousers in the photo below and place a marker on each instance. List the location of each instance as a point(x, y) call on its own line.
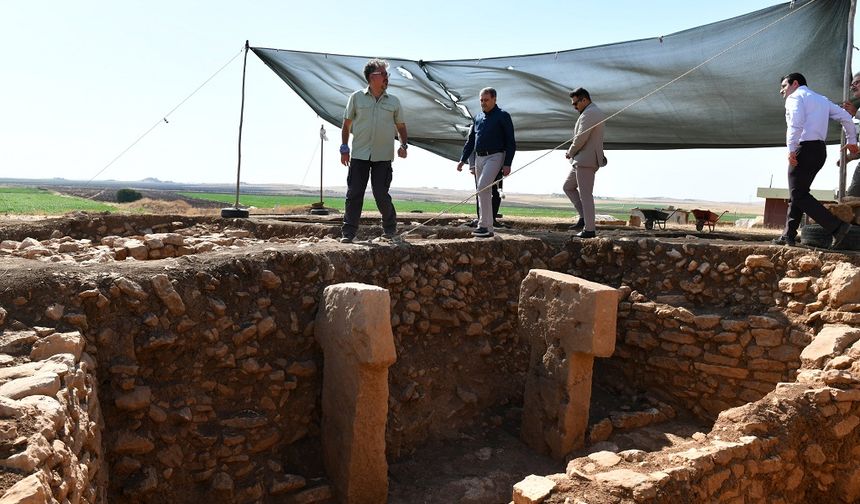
point(497, 198)
point(379, 173)
point(810, 159)
point(854, 187)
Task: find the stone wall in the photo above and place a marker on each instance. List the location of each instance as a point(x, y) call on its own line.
point(50, 419)
point(796, 444)
point(110, 238)
point(708, 328)
point(209, 377)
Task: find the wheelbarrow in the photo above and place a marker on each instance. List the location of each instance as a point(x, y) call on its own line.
point(706, 218)
point(655, 216)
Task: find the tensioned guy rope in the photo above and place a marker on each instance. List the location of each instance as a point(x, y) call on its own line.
point(163, 118)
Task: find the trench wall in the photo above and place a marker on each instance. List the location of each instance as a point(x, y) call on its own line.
point(50, 418)
point(208, 375)
point(708, 327)
point(765, 343)
point(799, 444)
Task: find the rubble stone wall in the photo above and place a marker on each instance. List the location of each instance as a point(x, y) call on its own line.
point(709, 327)
point(209, 377)
point(50, 419)
point(798, 444)
point(795, 443)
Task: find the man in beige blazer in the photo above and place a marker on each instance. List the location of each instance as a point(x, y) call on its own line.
point(586, 156)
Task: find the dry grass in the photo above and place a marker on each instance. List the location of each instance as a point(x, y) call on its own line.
point(282, 209)
point(164, 207)
point(179, 207)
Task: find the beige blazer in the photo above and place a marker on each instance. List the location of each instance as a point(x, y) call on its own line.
point(586, 150)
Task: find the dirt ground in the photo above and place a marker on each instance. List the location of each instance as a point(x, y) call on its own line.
point(482, 465)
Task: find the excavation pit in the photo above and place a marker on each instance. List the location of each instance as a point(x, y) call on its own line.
point(193, 372)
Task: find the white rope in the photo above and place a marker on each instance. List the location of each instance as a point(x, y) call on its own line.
point(622, 110)
point(310, 161)
point(163, 118)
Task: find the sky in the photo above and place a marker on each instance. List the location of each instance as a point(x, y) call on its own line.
point(84, 80)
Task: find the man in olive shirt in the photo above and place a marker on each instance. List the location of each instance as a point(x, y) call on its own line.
point(373, 116)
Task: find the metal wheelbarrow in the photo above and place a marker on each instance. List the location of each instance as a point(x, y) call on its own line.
point(706, 218)
point(656, 216)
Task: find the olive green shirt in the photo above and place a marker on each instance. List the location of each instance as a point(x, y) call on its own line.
point(373, 121)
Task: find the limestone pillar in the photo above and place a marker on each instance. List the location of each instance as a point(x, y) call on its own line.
point(353, 327)
point(567, 321)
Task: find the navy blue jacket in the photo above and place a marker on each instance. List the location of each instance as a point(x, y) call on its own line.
point(492, 131)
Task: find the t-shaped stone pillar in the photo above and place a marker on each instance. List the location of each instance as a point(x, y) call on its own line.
point(568, 321)
point(353, 327)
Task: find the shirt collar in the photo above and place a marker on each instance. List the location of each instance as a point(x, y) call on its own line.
point(367, 92)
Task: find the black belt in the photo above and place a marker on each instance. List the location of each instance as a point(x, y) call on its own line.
point(489, 152)
point(805, 142)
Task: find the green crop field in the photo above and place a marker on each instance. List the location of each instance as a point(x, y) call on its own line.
point(27, 200)
point(265, 201)
point(403, 206)
point(19, 200)
point(618, 210)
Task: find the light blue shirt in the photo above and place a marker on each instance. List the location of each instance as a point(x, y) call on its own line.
point(373, 124)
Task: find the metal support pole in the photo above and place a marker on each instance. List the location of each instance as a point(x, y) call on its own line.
point(318, 208)
point(843, 170)
point(236, 211)
point(322, 155)
point(241, 121)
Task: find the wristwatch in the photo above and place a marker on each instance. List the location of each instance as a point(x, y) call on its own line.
point(344, 149)
point(404, 146)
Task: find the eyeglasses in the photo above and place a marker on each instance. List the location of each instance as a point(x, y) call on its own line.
point(384, 74)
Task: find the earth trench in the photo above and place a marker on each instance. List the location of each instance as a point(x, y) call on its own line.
point(228, 383)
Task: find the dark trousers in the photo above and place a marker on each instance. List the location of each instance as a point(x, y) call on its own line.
point(854, 187)
point(379, 173)
point(497, 198)
point(810, 159)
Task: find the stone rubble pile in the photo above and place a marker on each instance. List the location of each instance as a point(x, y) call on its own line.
point(50, 418)
point(847, 211)
point(617, 421)
point(147, 247)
